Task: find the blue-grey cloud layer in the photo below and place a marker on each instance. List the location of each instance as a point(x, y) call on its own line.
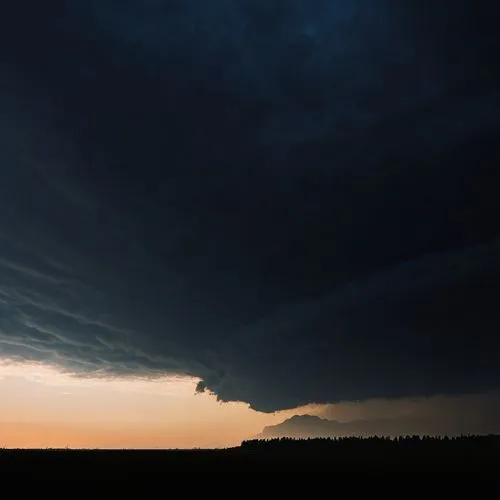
point(295, 201)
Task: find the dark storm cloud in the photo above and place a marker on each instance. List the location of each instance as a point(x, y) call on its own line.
point(422, 327)
point(293, 201)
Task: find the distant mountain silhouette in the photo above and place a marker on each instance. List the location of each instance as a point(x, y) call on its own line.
point(309, 426)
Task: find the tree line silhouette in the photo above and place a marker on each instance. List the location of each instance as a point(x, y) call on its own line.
point(415, 446)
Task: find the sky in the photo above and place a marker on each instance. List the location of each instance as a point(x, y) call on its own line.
point(218, 213)
point(41, 407)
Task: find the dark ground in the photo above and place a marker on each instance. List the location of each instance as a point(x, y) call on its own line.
point(472, 463)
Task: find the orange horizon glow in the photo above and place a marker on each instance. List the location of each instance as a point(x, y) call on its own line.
point(42, 407)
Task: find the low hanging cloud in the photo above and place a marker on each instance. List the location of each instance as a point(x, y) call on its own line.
point(423, 327)
point(293, 205)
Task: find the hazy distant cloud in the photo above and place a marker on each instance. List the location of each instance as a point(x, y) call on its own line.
point(293, 204)
point(439, 415)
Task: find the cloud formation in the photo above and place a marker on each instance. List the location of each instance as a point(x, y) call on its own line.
point(436, 416)
point(293, 202)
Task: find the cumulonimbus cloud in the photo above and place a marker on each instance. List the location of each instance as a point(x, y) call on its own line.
point(292, 205)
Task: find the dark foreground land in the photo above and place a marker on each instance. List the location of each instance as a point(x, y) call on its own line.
point(454, 463)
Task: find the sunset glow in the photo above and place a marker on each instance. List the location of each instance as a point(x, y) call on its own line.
point(41, 406)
